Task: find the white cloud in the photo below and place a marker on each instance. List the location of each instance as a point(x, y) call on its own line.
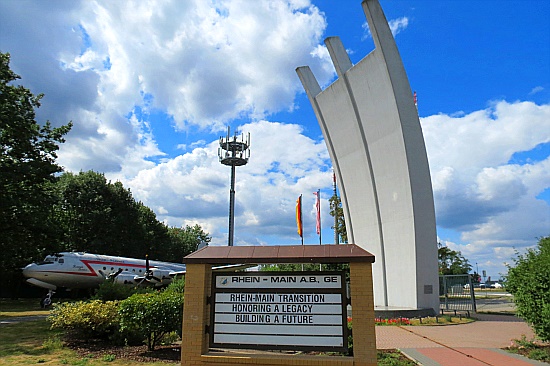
point(396, 26)
point(207, 63)
point(478, 191)
point(202, 63)
point(536, 89)
point(194, 187)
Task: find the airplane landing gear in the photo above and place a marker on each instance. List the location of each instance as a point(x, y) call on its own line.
point(47, 300)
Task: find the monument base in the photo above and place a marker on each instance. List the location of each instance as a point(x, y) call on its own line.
point(391, 312)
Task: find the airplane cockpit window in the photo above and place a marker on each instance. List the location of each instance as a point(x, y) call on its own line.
point(48, 260)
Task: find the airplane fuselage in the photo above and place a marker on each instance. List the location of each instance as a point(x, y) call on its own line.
point(85, 270)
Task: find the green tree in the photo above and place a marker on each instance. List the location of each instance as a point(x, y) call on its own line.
point(311, 267)
point(451, 262)
point(96, 215)
point(336, 210)
point(103, 217)
point(27, 171)
point(184, 241)
point(289, 267)
point(529, 281)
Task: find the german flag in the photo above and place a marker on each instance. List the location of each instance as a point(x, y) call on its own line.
point(299, 216)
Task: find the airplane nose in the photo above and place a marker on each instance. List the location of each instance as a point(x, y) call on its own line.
point(29, 270)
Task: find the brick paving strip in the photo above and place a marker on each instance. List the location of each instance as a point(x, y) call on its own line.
point(467, 357)
point(473, 344)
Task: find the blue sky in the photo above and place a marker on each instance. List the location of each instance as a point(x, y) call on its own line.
point(150, 87)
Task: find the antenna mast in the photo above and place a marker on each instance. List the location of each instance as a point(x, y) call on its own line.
point(233, 153)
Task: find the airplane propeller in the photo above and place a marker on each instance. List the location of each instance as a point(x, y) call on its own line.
point(149, 274)
point(112, 276)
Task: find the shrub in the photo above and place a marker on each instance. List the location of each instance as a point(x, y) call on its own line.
point(539, 354)
point(152, 314)
point(177, 285)
point(87, 320)
point(528, 282)
point(530, 349)
point(112, 291)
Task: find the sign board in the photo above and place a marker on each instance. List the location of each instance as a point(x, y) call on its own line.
point(279, 310)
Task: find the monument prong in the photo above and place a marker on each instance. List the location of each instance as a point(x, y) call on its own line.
point(372, 131)
point(339, 56)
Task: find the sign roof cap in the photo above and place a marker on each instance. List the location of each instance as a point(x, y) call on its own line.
point(329, 253)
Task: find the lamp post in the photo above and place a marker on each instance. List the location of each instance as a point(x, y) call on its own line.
point(233, 153)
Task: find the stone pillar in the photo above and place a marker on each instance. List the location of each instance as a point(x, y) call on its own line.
point(196, 313)
point(362, 303)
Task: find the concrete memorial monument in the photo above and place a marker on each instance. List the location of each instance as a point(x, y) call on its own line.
point(373, 135)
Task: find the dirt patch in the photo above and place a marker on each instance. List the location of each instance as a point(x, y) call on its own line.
point(99, 350)
point(172, 354)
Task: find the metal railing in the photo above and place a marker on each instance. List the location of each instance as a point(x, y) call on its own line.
point(456, 293)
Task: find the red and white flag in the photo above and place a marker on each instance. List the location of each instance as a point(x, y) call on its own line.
point(318, 211)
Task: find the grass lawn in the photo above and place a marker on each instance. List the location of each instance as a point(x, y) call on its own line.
point(21, 307)
point(32, 342)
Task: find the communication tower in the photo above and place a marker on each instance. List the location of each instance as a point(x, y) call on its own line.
point(233, 152)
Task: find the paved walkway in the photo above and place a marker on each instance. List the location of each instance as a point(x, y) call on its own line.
point(18, 319)
point(472, 344)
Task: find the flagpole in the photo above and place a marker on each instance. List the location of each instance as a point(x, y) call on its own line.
point(319, 215)
point(301, 222)
point(336, 235)
point(319, 218)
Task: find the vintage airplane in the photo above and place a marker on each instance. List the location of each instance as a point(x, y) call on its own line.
point(74, 270)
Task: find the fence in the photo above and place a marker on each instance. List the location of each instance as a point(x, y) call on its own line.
point(456, 293)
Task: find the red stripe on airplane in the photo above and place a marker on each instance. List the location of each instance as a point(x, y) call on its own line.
point(88, 263)
point(71, 273)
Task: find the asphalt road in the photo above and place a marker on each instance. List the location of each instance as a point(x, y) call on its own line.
point(494, 302)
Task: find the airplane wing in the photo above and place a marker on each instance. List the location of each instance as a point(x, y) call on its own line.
point(229, 267)
point(160, 276)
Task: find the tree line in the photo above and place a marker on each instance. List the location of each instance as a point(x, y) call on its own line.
point(44, 210)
